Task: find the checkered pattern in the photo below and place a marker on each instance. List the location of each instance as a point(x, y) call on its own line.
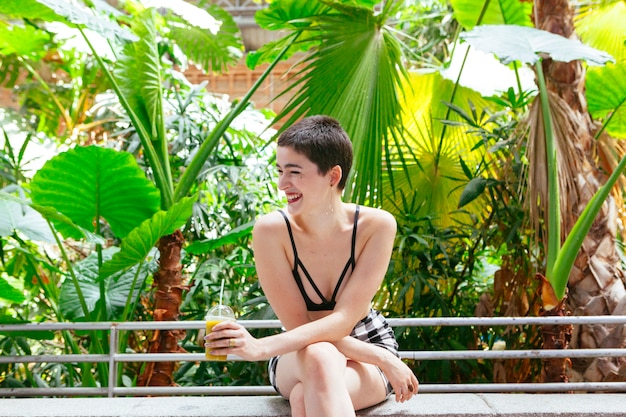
point(372, 329)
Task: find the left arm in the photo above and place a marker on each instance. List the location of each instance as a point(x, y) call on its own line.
point(400, 376)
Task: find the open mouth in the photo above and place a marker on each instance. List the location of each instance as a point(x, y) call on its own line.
point(292, 198)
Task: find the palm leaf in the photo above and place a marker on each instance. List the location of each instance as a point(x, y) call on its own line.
point(213, 51)
point(606, 96)
point(602, 26)
point(510, 12)
point(436, 169)
point(289, 16)
point(353, 75)
point(89, 183)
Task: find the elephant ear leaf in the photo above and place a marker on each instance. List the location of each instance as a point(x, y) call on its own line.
point(17, 217)
point(32, 225)
point(10, 293)
point(137, 245)
point(519, 43)
point(119, 288)
point(90, 183)
point(75, 14)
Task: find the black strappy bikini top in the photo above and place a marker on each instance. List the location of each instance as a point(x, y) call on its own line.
point(325, 305)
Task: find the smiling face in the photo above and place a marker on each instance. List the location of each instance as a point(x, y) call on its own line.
point(322, 140)
point(301, 180)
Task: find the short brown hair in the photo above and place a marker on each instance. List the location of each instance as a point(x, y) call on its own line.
point(323, 141)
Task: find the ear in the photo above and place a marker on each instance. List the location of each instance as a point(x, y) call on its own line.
point(335, 175)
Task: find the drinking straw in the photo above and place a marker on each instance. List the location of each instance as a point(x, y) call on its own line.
point(221, 291)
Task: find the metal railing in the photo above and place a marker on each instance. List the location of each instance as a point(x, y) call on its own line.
point(114, 357)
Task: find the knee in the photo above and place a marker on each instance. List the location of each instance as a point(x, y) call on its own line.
point(321, 358)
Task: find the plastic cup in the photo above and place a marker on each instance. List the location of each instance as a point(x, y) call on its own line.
point(217, 314)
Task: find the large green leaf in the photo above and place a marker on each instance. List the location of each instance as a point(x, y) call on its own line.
point(117, 288)
point(510, 12)
point(77, 14)
point(602, 26)
point(28, 9)
point(435, 168)
point(232, 237)
point(140, 241)
point(606, 95)
point(50, 214)
point(138, 71)
point(213, 51)
point(23, 41)
point(138, 74)
point(291, 16)
point(10, 293)
point(17, 217)
point(517, 43)
point(90, 183)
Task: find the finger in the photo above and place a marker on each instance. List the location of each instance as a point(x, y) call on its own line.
point(217, 334)
point(226, 324)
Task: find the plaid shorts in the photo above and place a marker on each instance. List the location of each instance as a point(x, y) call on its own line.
point(371, 329)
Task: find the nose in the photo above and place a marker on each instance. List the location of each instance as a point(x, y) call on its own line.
point(282, 182)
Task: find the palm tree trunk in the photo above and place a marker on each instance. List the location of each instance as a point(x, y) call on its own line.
point(596, 284)
point(167, 300)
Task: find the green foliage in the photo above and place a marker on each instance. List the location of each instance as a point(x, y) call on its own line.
point(435, 272)
point(359, 44)
point(91, 184)
point(606, 96)
point(504, 42)
point(121, 289)
point(470, 13)
point(142, 239)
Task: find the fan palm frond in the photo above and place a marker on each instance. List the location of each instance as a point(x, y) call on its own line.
point(354, 75)
point(436, 176)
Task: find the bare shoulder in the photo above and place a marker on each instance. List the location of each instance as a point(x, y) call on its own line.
point(268, 224)
point(377, 219)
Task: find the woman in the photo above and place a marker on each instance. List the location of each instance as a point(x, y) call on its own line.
point(320, 263)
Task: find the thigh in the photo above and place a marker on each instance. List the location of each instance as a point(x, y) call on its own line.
point(287, 373)
point(321, 361)
point(366, 384)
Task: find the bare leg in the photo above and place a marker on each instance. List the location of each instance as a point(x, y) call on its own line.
point(320, 381)
point(366, 385)
point(296, 401)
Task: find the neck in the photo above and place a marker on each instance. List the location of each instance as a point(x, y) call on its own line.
point(326, 220)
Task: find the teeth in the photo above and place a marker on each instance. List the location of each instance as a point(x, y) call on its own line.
point(292, 197)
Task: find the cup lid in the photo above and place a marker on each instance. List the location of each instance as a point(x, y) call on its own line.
point(221, 310)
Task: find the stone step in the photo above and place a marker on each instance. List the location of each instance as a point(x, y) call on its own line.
point(423, 405)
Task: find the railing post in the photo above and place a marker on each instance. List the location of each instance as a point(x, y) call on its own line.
point(112, 362)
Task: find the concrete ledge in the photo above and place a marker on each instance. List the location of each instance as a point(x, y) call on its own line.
point(424, 405)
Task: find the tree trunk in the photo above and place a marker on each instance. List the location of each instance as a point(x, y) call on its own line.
point(555, 337)
point(167, 300)
point(596, 285)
